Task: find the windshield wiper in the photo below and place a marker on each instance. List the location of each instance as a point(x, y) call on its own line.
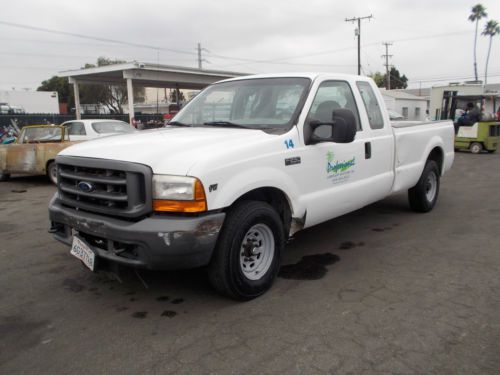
point(177, 123)
point(225, 123)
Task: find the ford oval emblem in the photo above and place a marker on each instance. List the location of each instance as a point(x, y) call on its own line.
point(85, 186)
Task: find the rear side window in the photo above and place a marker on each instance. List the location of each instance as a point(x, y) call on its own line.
point(372, 105)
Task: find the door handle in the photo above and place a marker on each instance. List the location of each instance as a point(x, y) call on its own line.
point(368, 150)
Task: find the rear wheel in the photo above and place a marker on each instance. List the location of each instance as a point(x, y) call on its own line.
point(52, 172)
point(476, 147)
point(423, 196)
point(247, 257)
point(491, 151)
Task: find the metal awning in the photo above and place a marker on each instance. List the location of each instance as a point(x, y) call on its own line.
point(141, 74)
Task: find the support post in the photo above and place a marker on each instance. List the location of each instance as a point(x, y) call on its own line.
point(130, 96)
point(76, 91)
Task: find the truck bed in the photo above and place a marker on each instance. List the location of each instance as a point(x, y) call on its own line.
point(412, 138)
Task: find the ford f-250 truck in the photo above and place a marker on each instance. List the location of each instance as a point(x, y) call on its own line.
point(245, 165)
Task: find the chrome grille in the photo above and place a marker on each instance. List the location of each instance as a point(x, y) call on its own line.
point(108, 187)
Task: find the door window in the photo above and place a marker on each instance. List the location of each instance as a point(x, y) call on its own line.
point(372, 105)
point(333, 95)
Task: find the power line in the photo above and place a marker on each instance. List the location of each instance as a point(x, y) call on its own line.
point(107, 40)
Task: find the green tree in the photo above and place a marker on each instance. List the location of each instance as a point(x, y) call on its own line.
point(379, 79)
point(478, 12)
point(491, 29)
point(398, 81)
point(173, 96)
point(63, 88)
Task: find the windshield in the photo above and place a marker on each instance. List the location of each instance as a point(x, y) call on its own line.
point(112, 127)
point(253, 103)
point(42, 134)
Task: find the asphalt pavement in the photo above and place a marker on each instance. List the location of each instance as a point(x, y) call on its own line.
point(382, 290)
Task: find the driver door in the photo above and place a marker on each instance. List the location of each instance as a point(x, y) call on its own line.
point(331, 171)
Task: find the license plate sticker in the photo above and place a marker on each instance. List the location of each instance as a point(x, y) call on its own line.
point(83, 252)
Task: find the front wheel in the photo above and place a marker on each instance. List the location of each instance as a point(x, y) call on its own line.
point(476, 147)
point(52, 172)
point(423, 196)
point(247, 257)
point(4, 176)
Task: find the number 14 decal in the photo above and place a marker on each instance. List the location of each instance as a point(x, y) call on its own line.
point(289, 143)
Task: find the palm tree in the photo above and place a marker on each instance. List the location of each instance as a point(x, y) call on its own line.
point(478, 12)
point(491, 29)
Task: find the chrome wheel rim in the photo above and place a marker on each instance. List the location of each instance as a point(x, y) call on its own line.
point(475, 149)
point(257, 251)
point(431, 186)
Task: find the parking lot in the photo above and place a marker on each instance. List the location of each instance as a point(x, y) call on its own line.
point(380, 291)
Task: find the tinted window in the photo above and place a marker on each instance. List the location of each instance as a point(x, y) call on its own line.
point(333, 95)
point(372, 105)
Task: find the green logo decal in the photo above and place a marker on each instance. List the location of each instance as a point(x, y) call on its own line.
point(336, 166)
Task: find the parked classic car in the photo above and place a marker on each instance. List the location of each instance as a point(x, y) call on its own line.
point(84, 130)
point(34, 151)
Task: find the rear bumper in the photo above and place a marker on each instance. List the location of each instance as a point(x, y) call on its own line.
point(156, 242)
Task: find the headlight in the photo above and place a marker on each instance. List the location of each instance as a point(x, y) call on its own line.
point(178, 194)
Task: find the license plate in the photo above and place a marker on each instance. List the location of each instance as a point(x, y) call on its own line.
point(83, 252)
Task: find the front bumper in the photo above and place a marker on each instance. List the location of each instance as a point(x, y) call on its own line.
point(155, 242)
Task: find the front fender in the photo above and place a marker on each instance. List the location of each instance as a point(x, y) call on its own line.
point(259, 177)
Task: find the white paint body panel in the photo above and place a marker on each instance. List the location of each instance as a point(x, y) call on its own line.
point(241, 160)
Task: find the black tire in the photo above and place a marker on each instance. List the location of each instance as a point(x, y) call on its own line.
point(492, 151)
point(225, 270)
point(4, 176)
point(52, 172)
point(476, 147)
point(420, 196)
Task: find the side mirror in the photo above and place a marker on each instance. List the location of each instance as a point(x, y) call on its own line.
point(342, 128)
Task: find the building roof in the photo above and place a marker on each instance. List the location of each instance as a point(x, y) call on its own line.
point(398, 94)
point(149, 75)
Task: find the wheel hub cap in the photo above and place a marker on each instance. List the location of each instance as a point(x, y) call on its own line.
point(257, 252)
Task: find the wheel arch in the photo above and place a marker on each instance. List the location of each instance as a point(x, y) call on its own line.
point(275, 197)
point(437, 155)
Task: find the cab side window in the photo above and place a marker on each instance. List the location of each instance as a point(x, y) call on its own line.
point(372, 105)
point(76, 128)
point(333, 95)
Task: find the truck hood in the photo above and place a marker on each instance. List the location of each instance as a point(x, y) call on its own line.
point(170, 150)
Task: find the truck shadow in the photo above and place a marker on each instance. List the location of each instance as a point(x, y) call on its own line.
point(310, 256)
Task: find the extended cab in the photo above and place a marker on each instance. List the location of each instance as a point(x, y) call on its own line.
point(245, 165)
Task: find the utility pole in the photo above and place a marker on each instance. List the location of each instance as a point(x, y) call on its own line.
point(358, 34)
point(199, 57)
point(387, 66)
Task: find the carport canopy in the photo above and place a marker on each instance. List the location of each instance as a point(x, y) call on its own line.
point(141, 74)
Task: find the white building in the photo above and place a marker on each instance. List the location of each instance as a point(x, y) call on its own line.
point(31, 101)
point(412, 107)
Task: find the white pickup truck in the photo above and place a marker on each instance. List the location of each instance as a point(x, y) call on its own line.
point(245, 165)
